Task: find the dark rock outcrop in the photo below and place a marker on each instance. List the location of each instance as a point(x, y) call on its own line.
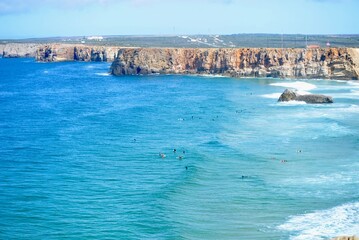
point(331, 63)
point(315, 98)
point(290, 95)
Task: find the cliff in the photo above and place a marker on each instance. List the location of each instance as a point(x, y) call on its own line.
point(329, 63)
point(71, 52)
point(59, 52)
point(14, 50)
point(346, 238)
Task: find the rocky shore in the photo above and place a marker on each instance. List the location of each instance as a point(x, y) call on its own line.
point(328, 63)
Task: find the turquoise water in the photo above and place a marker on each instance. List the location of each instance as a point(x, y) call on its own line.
point(79, 156)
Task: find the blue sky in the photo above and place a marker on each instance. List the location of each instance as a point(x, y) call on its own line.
point(46, 18)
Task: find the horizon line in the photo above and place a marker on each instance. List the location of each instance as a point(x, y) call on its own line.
point(176, 35)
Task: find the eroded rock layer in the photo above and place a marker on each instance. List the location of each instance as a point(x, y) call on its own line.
point(329, 63)
point(71, 52)
point(15, 50)
point(346, 238)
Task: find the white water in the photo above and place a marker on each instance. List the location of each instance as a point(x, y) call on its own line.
point(324, 224)
point(300, 86)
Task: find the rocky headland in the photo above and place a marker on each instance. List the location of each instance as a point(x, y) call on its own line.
point(324, 63)
point(16, 50)
point(71, 52)
point(328, 63)
point(59, 52)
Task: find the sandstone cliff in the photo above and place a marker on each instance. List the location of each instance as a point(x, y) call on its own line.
point(14, 50)
point(332, 63)
point(346, 238)
point(71, 52)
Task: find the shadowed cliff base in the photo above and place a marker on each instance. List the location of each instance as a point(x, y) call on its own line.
point(328, 63)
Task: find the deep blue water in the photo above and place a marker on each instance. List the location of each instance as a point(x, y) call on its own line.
point(79, 156)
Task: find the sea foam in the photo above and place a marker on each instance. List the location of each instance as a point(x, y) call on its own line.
point(103, 74)
point(291, 103)
point(324, 224)
point(300, 86)
point(271, 95)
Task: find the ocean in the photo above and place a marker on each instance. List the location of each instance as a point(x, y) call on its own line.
point(86, 155)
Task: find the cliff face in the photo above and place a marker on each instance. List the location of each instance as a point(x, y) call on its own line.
point(333, 63)
point(14, 50)
point(70, 52)
point(330, 63)
point(346, 238)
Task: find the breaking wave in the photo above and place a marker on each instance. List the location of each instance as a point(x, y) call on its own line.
point(324, 224)
point(300, 86)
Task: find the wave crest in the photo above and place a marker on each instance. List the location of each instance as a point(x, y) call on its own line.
point(324, 224)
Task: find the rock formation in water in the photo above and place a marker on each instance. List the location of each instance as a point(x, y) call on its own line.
point(329, 63)
point(71, 52)
point(290, 95)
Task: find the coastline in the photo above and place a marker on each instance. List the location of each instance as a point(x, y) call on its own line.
point(130, 96)
point(291, 63)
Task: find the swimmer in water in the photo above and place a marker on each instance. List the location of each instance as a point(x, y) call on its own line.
point(162, 155)
point(174, 150)
point(180, 157)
